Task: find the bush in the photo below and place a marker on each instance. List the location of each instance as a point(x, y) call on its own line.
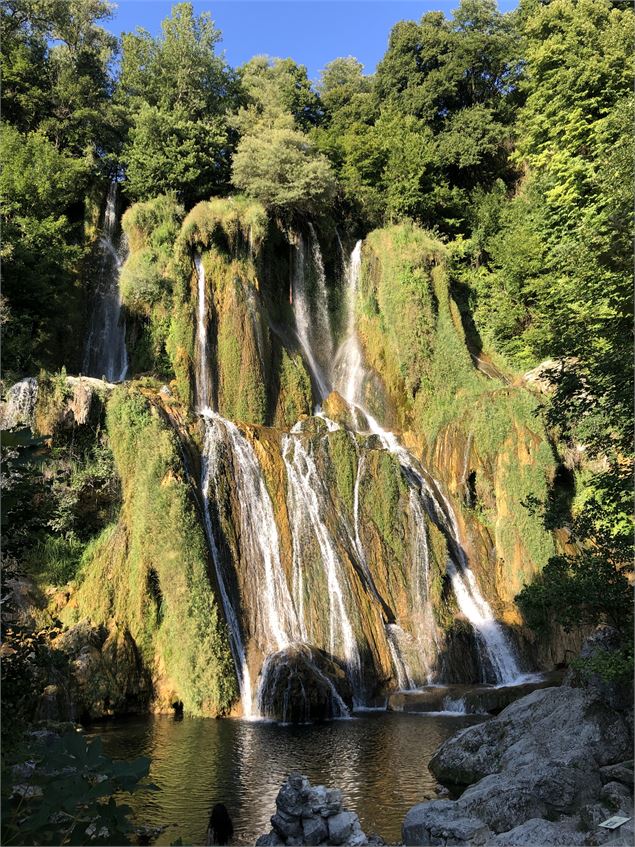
point(281, 168)
point(68, 797)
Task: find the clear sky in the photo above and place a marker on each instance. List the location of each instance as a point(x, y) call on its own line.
point(310, 31)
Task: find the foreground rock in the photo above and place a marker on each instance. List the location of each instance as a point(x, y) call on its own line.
point(547, 770)
point(313, 815)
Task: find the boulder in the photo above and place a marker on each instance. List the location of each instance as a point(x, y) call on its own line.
point(616, 796)
point(547, 770)
point(621, 772)
point(340, 826)
point(561, 723)
point(439, 823)
point(537, 832)
point(302, 684)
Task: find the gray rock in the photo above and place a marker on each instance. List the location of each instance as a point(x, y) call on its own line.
point(543, 788)
point(621, 772)
point(290, 799)
point(616, 796)
point(538, 833)
point(592, 814)
point(271, 839)
point(341, 826)
point(314, 831)
point(441, 822)
point(563, 723)
point(287, 826)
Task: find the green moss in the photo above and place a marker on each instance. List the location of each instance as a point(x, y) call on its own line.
point(344, 465)
point(294, 396)
point(382, 490)
point(428, 370)
point(397, 307)
point(155, 562)
point(223, 221)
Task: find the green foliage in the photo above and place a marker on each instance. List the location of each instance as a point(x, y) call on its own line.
point(69, 796)
point(282, 169)
point(177, 91)
point(159, 531)
point(41, 251)
point(615, 666)
point(168, 150)
point(587, 589)
point(274, 89)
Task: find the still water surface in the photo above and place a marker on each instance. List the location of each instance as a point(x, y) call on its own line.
point(378, 760)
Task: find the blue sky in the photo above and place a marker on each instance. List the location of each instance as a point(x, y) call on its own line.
point(310, 31)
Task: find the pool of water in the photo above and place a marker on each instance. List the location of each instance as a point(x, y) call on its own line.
point(379, 760)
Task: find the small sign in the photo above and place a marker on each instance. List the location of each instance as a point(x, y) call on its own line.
point(614, 822)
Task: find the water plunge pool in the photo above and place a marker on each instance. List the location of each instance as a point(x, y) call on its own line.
point(379, 760)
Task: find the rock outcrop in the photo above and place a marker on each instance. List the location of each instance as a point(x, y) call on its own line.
point(547, 770)
point(313, 815)
point(107, 676)
point(302, 684)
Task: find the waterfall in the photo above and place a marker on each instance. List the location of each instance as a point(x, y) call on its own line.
point(349, 361)
point(478, 611)
point(322, 322)
point(209, 477)
point(260, 545)
point(19, 405)
point(203, 375)
point(350, 376)
point(305, 491)
point(105, 352)
point(303, 322)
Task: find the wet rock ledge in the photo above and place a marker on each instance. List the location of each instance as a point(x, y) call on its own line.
point(307, 815)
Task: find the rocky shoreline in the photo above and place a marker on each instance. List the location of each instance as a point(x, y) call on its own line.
point(546, 771)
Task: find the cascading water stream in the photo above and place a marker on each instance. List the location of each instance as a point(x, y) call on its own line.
point(305, 488)
point(203, 377)
point(209, 474)
point(260, 544)
point(350, 380)
point(105, 352)
point(303, 322)
point(19, 405)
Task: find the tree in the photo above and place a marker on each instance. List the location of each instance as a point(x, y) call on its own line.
point(273, 89)
point(179, 70)
point(282, 169)
point(167, 151)
point(177, 91)
point(41, 250)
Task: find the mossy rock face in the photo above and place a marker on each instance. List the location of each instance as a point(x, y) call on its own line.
point(479, 435)
point(154, 564)
point(294, 395)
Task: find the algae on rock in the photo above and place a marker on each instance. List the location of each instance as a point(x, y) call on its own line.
point(150, 571)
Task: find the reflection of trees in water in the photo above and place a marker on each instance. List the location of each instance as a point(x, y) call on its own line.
point(379, 762)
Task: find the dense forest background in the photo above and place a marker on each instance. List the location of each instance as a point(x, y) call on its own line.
point(505, 135)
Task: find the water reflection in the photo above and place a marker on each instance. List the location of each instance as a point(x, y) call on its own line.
point(378, 760)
